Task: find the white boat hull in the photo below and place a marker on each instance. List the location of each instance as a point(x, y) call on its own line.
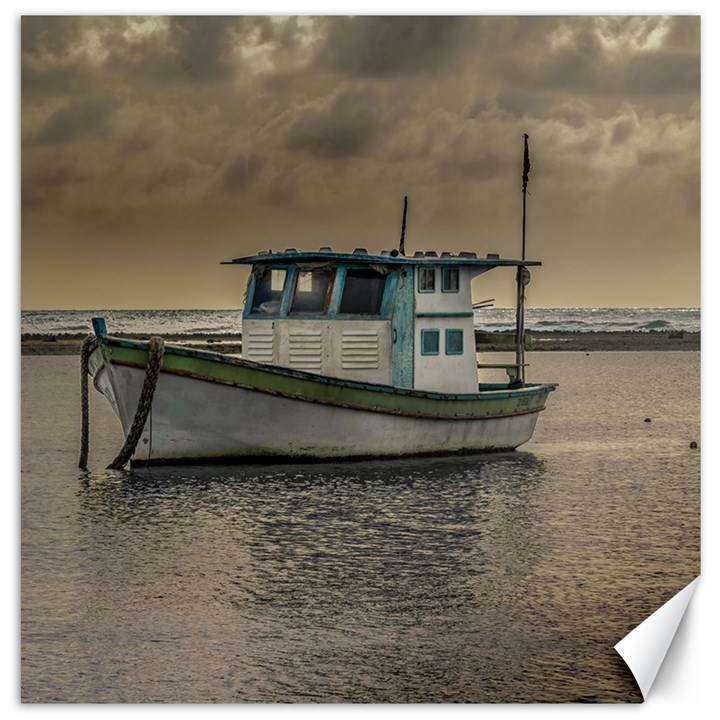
point(195, 419)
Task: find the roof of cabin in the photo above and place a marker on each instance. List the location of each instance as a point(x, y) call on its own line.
point(361, 255)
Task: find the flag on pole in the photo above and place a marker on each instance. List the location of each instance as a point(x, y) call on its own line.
point(526, 164)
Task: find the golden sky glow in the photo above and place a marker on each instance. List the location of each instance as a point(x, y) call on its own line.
point(154, 148)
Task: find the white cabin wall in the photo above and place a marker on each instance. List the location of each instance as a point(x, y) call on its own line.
point(359, 350)
point(442, 372)
point(258, 341)
point(440, 301)
point(441, 311)
point(351, 349)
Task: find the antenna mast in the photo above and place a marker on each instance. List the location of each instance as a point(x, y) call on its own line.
point(401, 248)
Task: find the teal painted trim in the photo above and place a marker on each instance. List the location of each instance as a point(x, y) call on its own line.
point(290, 281)
point(449, 342)
point(337, 291)
point(249, 296)
point(430, 341)
point(106, 345)
point(444, 315)
point(394, 262)
point(388, 301)
point(442, 281)
point(402, 342)
point(419, 275)
point(99, 327)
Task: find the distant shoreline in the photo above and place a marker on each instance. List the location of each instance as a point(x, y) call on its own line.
point(48, 344)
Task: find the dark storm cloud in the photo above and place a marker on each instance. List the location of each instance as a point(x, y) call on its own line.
point(174, 175)
point(521, 103)
point(58, 175)
point(486, 166)
point(654, 157)
point(33, 193)
point(585, 65)
point(660, 74)
point(201, 44)
point(684, 34)
point(241, 172)
point(206, 89)
point(49, 67)
point(194, 50)
point(348, 125)
point(83, 119)
point(136, 144)
point(574, 114)
point(622, 130)
point(389, 46)
point(54, 35)
point(316, 119)
point(569, 68)
point(44, 82)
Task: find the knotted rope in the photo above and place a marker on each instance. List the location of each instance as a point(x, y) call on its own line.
point(84, 409)
point(156, 349)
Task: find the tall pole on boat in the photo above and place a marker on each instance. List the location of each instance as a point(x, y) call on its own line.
point(401, 248)
point(523, 275)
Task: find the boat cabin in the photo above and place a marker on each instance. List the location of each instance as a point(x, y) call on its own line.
point(388, 319)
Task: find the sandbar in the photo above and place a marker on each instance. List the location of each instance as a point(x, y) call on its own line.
point(48, 344)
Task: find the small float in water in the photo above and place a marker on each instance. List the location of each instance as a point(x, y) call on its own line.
point(345, 355)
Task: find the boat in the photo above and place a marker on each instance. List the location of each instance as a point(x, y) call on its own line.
point(344, 355)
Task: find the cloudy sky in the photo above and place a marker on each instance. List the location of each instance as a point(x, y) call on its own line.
point(154, 148)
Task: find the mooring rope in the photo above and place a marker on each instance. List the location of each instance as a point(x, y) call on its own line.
point(156, 349)
point(84, 409)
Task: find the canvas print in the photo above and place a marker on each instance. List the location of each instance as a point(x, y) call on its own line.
point(360, 355)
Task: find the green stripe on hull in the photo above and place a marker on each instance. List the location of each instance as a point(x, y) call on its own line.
point(321, 389)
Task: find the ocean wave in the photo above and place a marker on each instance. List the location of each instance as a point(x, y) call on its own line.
point(214, 322)
point(553, 323)
point(655, 325)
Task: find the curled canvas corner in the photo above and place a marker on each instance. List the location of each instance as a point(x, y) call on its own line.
point(644, 648)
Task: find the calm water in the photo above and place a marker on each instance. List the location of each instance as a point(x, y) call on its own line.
point(500, 578)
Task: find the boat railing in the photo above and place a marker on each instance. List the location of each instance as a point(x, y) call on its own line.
point(512, 369)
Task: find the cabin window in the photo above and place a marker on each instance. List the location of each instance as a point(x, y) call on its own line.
point(451, 280)
point(269, 291)
point(311, 291)
point(430, 342)
point(454, 341)
point(426, 280)
point(363, 292)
